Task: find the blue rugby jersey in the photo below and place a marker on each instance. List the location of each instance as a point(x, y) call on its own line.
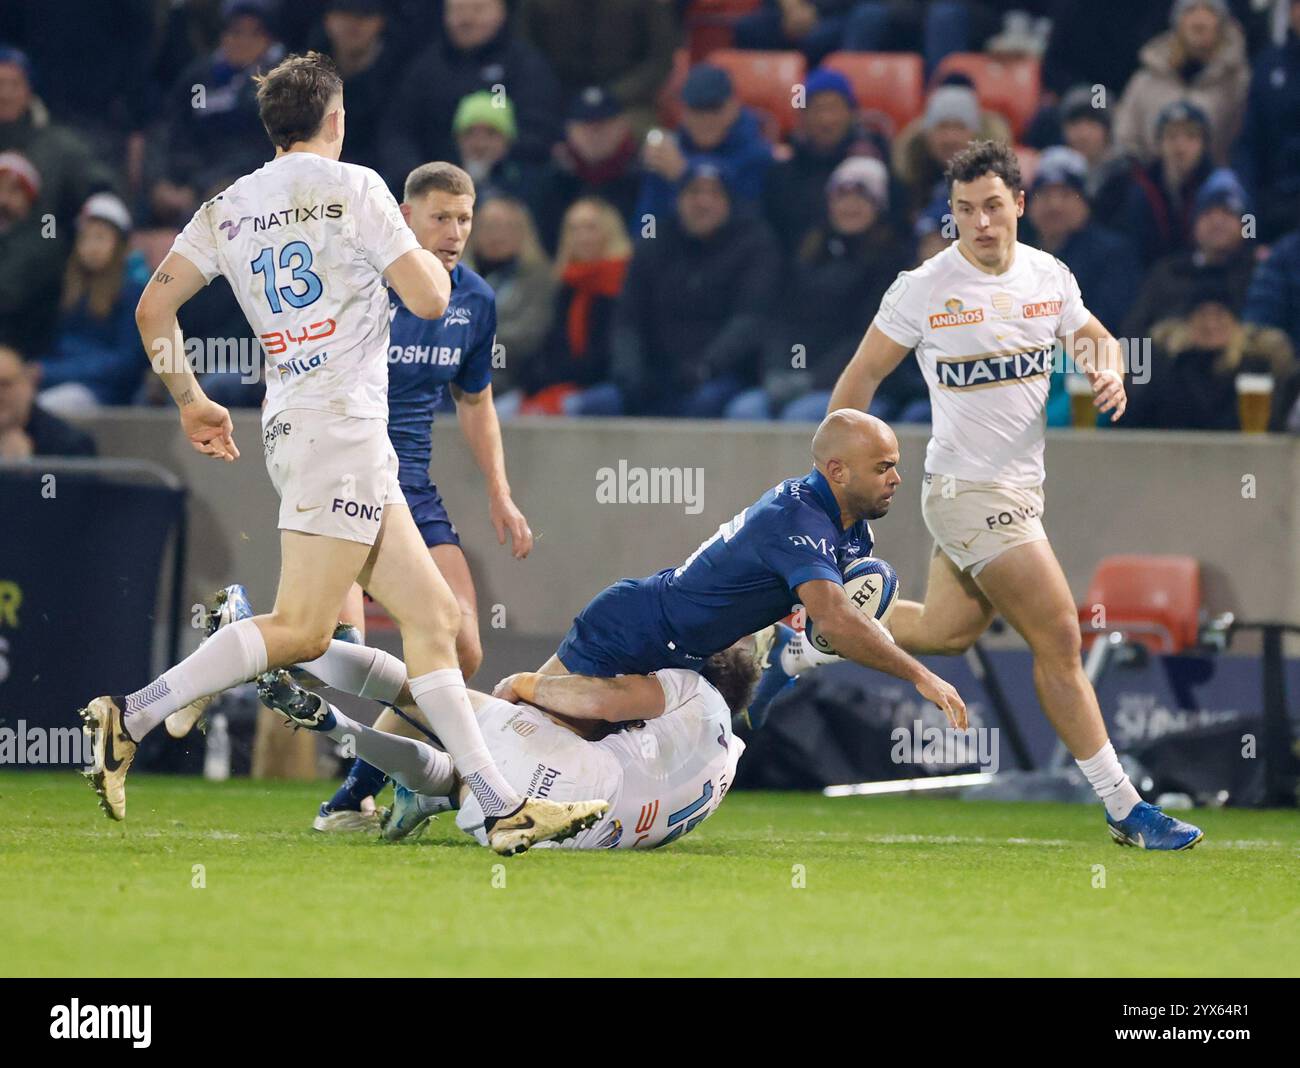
point(425, 356)
point(744, 577)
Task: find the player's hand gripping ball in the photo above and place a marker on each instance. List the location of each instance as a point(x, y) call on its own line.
point(872, 586)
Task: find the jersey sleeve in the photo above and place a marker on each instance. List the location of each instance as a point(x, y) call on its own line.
point(802, 548)
point(383, 233)
point(1073, 313)
point(475, 373)
point(679, 686)
point(902, 310)
point(198, 244)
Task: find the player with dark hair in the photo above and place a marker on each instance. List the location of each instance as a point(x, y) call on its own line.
point(985, 316)
point(306, 243)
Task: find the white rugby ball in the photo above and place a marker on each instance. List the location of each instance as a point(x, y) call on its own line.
point(872, 586)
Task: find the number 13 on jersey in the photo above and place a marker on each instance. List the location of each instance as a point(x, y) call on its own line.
point(296, 258)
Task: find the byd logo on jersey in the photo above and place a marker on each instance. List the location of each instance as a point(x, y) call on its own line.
point(277, 341)
point(356, 510)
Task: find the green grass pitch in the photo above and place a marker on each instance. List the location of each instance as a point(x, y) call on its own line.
point(773, 884)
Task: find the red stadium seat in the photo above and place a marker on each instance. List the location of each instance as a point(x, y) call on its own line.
point(1009, 85)
point(892, 83)
point(711, 24)
point(765, 80)
point(1153, 600)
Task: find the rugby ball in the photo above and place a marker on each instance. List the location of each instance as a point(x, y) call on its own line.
point(872, 586)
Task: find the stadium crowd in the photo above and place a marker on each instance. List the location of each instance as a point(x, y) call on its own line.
point(666, 233)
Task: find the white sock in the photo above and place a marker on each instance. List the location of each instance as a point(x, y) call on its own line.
point(440, 696)
point(799, 656)
point(359, 670)
point(1108, 780)
point(235, 654)
point(416, 765)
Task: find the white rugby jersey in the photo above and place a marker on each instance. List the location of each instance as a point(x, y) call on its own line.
point(661, 779)
point(985, 345)
point(303, 242)
point(676, 769)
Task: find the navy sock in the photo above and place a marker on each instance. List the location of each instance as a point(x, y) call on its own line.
point(364, 780)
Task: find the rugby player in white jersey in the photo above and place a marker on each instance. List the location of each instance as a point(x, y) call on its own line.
point(306, 243)
point(659, 747)
point(984, 316)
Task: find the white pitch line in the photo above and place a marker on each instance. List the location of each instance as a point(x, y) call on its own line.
point(907, 786)
point(956, 839)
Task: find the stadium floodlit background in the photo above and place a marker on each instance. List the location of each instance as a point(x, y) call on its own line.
point(804, 143)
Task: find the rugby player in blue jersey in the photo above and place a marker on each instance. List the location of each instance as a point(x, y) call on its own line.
point(426, 359)
point(789, 546)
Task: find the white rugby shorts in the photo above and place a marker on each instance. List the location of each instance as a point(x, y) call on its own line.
point(335, 474)
point(974, 522)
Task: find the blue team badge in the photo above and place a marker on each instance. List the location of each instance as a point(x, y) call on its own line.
point(456, 317)
point(612, 836)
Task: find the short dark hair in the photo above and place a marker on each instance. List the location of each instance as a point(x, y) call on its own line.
point(734, 674)
point(292, 97)
point(985, 157)
point(440, 176)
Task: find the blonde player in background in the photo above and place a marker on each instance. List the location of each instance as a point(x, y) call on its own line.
point(306, 242)
point(984, 316)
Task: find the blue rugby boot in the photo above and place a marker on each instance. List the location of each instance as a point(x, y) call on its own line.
point(774, 679)
point(409, 814)
point(1147, 827)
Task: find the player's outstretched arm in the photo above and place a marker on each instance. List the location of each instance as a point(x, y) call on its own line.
point(615, 700)
point(421, 281)
point(855, 637)
point(477, 415)
point(876, 356)
point(1099, 356)
point(206, 423)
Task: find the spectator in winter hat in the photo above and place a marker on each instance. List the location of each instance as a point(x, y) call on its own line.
point(1159, 212)
point(1202, 59)
point(714, 123)
point(1220, 255)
